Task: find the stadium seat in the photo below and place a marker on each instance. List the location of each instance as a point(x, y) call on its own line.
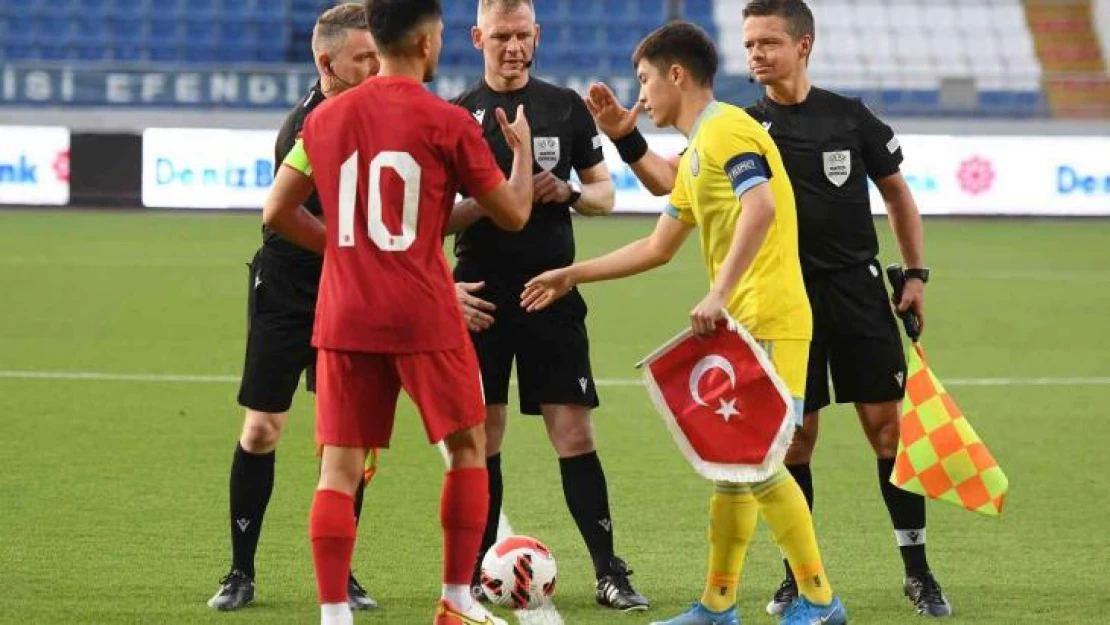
point(90, 31)
point(164, 29)
point(127, 52)
point(163, 51)
point(132, 8)
point(125, 30)
point(15, 51)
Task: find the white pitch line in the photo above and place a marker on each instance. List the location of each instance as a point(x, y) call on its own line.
point(173, 378)
point(545, 614)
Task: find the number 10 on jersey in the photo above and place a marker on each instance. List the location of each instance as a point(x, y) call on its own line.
point(408, 170)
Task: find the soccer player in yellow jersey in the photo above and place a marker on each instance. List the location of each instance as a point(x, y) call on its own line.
point(731, 183)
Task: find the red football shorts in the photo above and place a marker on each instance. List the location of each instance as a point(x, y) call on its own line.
point(356, 395)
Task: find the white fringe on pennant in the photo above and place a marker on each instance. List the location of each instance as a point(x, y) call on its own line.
point(743, 473)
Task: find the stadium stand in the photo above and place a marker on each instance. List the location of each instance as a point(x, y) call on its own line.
point(902, 56)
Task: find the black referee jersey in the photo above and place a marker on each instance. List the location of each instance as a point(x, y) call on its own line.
point(564, 137)
point(831, 145)
point(272, 243)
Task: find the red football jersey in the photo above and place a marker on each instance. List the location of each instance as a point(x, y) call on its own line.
point(388, 158)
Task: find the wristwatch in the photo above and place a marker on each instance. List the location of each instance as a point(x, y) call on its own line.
point(575, 192)
point(921, 273)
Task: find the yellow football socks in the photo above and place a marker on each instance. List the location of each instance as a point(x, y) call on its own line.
point(784, 508)
point(733, 514)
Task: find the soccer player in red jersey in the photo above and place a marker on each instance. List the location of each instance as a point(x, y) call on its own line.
point(387, 159)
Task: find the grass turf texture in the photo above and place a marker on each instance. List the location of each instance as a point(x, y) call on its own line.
point(113, 494)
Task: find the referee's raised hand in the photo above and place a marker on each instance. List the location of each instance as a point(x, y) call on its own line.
point(610, 116)
point(518, 133)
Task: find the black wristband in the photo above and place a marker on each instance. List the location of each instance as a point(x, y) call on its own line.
point(632, 147)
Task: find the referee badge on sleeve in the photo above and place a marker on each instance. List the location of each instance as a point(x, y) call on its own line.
point(546, 151)
point(838, 166)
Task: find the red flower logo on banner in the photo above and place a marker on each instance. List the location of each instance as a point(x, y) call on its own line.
point(976, 175)
point(61, 166)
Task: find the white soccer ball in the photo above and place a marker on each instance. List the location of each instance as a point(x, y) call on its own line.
point(518, 571)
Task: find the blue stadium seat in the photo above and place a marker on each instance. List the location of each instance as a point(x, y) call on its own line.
point(15, 51)
point(236, 32)
point(127, 52)
point(89, 31)
point(86, 52)
point(164, 51)
point(698, 10)
point(269, 54)
point(165, 30)
point(51, 27)
point(92, 7)
point(194, 7)
point(126, 29)
point(131, 8)
point(53, 52)
point(201, 33)
point(19, 31)
point(583, 9)
point(654, 11)
point(459, 9)
point(196, 53)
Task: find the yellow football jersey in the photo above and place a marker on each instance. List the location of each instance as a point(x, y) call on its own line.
point(729, 153)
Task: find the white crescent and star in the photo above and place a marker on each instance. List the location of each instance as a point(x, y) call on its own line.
point(727, 409)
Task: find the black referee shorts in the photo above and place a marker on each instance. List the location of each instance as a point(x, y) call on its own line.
point(550, 347)
point(855, 339)
point(281, 307)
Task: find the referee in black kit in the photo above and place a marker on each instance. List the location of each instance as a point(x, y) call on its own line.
point(830, 146)
point(281, 308)
point(551, 348)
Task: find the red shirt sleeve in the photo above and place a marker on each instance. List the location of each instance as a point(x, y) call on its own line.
point(474, 162)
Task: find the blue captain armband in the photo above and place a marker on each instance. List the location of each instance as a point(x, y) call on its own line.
point(745, 171)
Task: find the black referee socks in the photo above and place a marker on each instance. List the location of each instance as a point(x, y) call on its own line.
point(252, 483)
point(907, 513)
point(588, 500)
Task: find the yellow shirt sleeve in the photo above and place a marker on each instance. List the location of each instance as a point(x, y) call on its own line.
point(297, 158)
point(679, 206)
point(741, 157)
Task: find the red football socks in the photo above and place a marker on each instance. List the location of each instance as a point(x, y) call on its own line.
point(462, 513)
point(332, 528)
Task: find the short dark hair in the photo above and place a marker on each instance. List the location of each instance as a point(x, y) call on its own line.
point(680, 43)
point(391, 21)
point(332, 26)
point(799, 19)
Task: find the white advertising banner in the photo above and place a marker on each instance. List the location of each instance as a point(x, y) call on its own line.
point(208, 169)
point(952, 175)
point(34, 165)
point(949, 175)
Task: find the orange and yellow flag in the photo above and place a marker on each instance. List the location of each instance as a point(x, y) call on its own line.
point(939, 454)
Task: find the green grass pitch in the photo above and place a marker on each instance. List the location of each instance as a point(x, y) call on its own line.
point(113, 494)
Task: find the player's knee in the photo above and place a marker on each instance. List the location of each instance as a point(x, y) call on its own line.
point(261, 431)
point(467, 448)
point(802, 446)
point(496, 420)
point(884, 438)
point(573, 440)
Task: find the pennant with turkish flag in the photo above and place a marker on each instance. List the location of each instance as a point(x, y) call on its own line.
point(729, 412)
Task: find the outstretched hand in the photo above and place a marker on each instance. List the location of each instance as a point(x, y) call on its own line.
point(609, 114)
point(544, 289)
